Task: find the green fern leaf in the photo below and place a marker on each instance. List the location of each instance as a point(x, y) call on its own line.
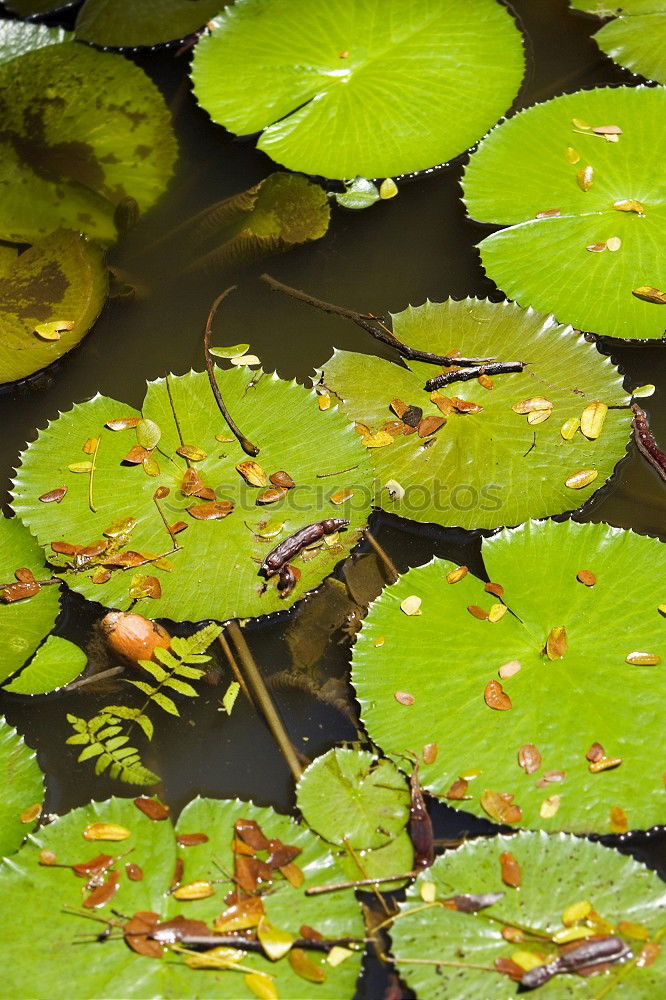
point(146, 688)
point(165, 703)
point(92, 750)
point(181, 687)
point(194, 673)
point(132, 715)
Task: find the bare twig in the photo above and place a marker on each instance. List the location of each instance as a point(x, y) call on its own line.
point(233, 666)
point(317, 890)
point(374, 325)
point(206, 941)
point(246, 445)
point(390, 570)
point(467, 374)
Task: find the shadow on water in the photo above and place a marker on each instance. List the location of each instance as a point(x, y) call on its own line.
point(418, 246)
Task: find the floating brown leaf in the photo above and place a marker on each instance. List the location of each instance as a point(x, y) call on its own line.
point(249, 831)
point(549, 213)
point(586, 577)
point(54, 496)
point(430, 425)
point(458, 791)
point(211, 511)
point(649, 294)
point(500, 806)
point(507, 967)
point(145, 586)
point(494, 588)
point(240, 916)
point(271, 495)
point(509, 669)
point(177, 527)
point(341, 496)
point(429, 753)
point(106, 831)
point(19, 591)
point(293, 874)
point(305, 967)
point(102, 894)
point(136, 455)
point(136, 932)
point(281, 854)
point(122, 423)
point(496, 697)
point(510, 870)
point(649, 953)
point(152, 808)
point(133, 872)
point(95, 866)
point(556, 643)
point(282, 478)
point(252, 473)
point(465, 405)
point(529, 758)
point(191, 839)
point(477, 612)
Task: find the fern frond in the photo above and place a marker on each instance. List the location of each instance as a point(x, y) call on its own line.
point(131, 715)
point(175, 663)
point(107, 745)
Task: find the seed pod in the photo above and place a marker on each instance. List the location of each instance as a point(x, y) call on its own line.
point(455, 575)
point(496, 697)
point(585, 177)
point(529, 758)
point(586, 577)
point(132, 636)
point(592, 419)
point(106, 831)
point(556, 643)
point(578, 480)
point(639, 659)
point(191, 839)
point(569, 428)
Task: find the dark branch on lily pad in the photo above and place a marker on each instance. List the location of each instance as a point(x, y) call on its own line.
point(246, 445)
point(208, 941)
point(374, 325)
point(474, 371)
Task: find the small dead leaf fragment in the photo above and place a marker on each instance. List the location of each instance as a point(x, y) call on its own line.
point(607, 130)
point(465, 405)
point(500, 806)
point(532, 405)
point(649, 294)
point(30, 814)
point(324, 401)
point(152, 808)
point(496, 697)
point(283, 479)
point(210, 511)
point(430, 425)
point(455, 575)
point(100, 574)
point(618, 820)
point(80, 467)
point(293, 874)
point(629, 205)
point(200, 889)
point(136, 932)
point(177, 527)
point(614, 244)
point(513, 934)
point(136, 455)
point(133, 872)
point(404, 698)
point(411, 605)
point(54, 496)
point(142, 586)
point(240, 916)
point(596, 247)
point(252, 473)
point(428, 892)
point(549, 213)
point(19, 591)
point(379, 440)
point(104, 893)
point(586, 577)
point(507, 967)
point(341, 496)
point(556, 643)
point(581, 125)
point(261, 986)
point(249, 831)
point(47, 857)
point(477, 612)
point(191, 839)
point(637, 932)
point(549, 806)
point(398, 407)
point(549, 777)
point(595, 752)
point(443, 403)
point(592, 419)
point(54, 330)
point(585, 177)
point(642, 659)
point(122, 423)
point(538, 417)
point(271, 495)
point(497, 612)
point(510, 870)
point(509, 669)
point(429, 753)
point(604, 764)
point(571, 155)
point(569, 428)
point(649, 953)
point(304, 967)
point(529, 758)
point(379, 642)
point(578, 480)
point(106, 831)
point(458, 791)
point(275, 941)
point(494, 588)
point(575, 912)
point(192, 452)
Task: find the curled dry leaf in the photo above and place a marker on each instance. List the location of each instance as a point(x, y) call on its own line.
point(649, 294)
point(152, 808)
point(496, 697)
point(529, 758)
point(465, 405)
point(252, 473)
point(54, 496)
point(404, 698)
point(214, 511)
point(455, 575)
point(556, 643)
point(501, 807)
point(510, 870)
point(411, 605)
point(282, 478)
point(137, 930)
point(595, 752)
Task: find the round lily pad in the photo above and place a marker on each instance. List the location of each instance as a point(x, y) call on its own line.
point(492, 467)
point(23, 623)
point(348, 796)
point(22, 787)
point(211, 565)
point(346, 89)
point(17, 38)
point(556, 873)
point(35, 894)
point(28, 8)
point(548, 715)
point(50, 296)
point(81, 131)
point(143, 22)
point(55, 664)
point(586, 216)
point(636, 37)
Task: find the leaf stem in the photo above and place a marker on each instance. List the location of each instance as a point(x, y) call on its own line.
point(246, 445)
point(317, 890)
point(263, 700)
point(93, 462)
point(207, 941)
point(444, 962)
point(391, 572)
point(374, 325)
point(233, 666)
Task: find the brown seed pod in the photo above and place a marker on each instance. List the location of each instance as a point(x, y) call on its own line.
point(132, 636)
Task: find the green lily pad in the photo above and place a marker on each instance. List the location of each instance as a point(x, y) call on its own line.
point(275, 215)
point(346, 89)
point(50, 296)
point(28, 8)
point(31, 891)
point(348, 796)
point(446, 657)
point(143, 22)
point(556, 873)
point(55, 664)
point(24, 623)
point(492, 468)
point(215, 571)
point(636, 38)
point(540, 157)
point(81, 131)
point(17, 38)
point(22, 787)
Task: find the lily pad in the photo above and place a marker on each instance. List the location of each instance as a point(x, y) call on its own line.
point(23, 623)
point(50, 296)
point(493, 467)
point(275, 215)
point(31, 891)
point(599, 191)
point(341, 91)
point(214, 572)
point(636, 38)
point(589, 689)
point(81, 131)
point(556, 873)
point(118, 24)
point(22, 787)
point(55, 664)
point(348, 796)
point(28, 8)
point(17, 38)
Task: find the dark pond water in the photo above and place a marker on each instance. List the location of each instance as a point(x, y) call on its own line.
point(419, 245)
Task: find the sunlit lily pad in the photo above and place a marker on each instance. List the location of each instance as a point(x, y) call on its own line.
point(636, 37)
point(588, 688)
point(34, 894)
point(55, 664)
point(557, 873)
point(493, 467)
point(49, 298)
point(17, 38)
point(214, 570)
point(81, 130)
point(548, 160)
point(23, 623)
point(342, 90)
point(22, 789)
